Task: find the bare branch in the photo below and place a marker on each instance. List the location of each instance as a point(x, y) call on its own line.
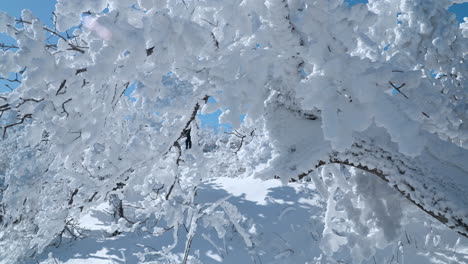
point(149, 51)
point(191, 119)
point(63, 107)
point(54, 32)
point(6, 47)
point(77, 132)
point(70, 201)
point(398, 88)
point(216, 42)
point(171, 188)
point(23, 118)
point(115, 94)
point(62, 85)
point(51, 46)
point(78, 71)
point(54, 19)
point(9, 88)
point(23, 101)
point(179, 152)
point(16, 80)
point(126, 85)
point(211, 23)
point(92, 197)
point(84, 83)
point(4, 108)
point(241, 136)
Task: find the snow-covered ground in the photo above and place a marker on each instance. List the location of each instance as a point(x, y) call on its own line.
point(285, 223)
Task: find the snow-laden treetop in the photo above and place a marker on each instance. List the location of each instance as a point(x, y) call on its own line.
point(380, 87)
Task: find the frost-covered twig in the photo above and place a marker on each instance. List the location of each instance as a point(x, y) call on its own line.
point(241, 136)
point(23, 118)
point(16, 80)
point(62, 86)
point(23, 101)
point(6, 47)
point(401, 173)
point(399, 88)
point(78, 71)
point(54, 32)
point(64, 111)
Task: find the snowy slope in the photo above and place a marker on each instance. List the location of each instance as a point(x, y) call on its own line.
point(284, 222)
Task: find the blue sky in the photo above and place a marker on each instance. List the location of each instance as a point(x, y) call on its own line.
point(41, 8)
point(44, 8)
point(461, 10)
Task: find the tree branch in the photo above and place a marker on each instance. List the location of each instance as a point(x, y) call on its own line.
point(53, 32)
point(191, 119)
point(399, 88)
point(23, 118)
point(63, 107)
point(402, 173)
point(16, 80)
point(6, 47)
point(78, 71)
point(29, 100)
point(62, 85)
point(70, 201)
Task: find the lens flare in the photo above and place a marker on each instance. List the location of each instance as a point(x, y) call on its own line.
point(92, 24)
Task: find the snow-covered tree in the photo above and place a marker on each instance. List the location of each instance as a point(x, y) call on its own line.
point(327, 92)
